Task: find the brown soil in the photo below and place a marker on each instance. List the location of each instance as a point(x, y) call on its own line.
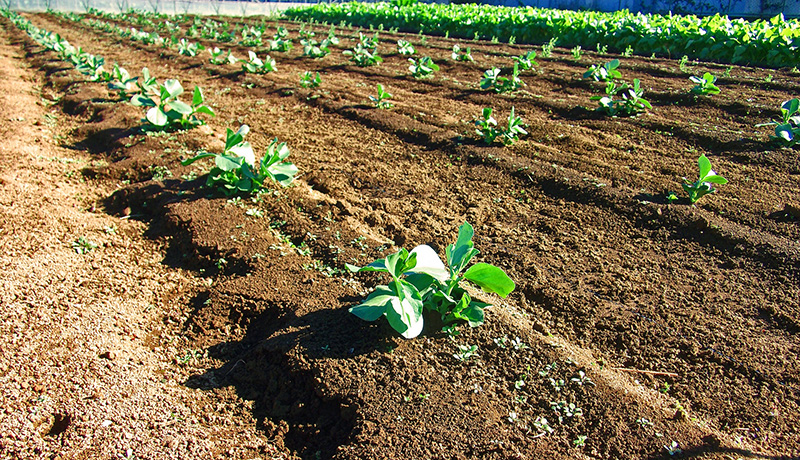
point(199, 329)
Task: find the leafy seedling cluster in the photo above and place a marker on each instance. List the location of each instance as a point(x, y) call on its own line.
point(787, 128)
point(423, 68)
point(381, 100)
point(421, 281)
point(460, 55)
point(405, 48)
point(705, 85)
point(486, 127)
point(236, 170)
point(492, 80)
point(254, 64)
point(365, 53)
point(606, 72)
point(309, 80)
point(164, 110)
point(632, 102)
point(704, 185)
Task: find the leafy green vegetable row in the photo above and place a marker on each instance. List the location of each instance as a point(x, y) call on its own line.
point(775, 42)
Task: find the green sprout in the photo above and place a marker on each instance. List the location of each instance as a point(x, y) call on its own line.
point(704, 185)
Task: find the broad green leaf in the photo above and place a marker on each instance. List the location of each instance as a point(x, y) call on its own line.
point(244, 150)
point(173, 87)
point(205, 109)
point(244, 185)
point(405, 312)
point(181, 107)
point(715, 179)
point(197, 97)
point(140, 100)
point(228, 163)
point(283, 173)
point(705, 166)
point(490, 279)
point(459, 254)
point(198, 157)
point(428, 262)
point(157, 117)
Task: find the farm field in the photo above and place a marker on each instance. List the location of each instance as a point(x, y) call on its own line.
point(640, 327)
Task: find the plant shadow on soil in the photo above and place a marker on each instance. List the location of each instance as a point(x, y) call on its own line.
point(272, 365)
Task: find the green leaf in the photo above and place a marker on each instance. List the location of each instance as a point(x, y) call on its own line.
point(283, 173)
point(705, 166)
point(490, 279)
point(140, 100)
point(157, 117)
point(715, 179)
point(205, 109)
point(405, 312)
point(197, 97)
point(173, 88)
point(181, 107)
point(228, 163)
point(198, 157)
point(459, 255)
point(375, 305)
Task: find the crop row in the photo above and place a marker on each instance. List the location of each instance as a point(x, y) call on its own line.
point(772, 43)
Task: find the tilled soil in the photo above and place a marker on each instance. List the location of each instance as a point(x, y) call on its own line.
point(665, 324)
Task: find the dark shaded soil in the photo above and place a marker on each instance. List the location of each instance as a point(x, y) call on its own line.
point(684, 319)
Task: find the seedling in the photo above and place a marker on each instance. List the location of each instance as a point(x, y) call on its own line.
point(566, 410)
point(122, 82)
point(280, 41)
point(405, 48)
point(421, 281)
point(363, 55)
point(166, 111)
point(381, 100)
point(315, 50)
point(217, 57)
point(309, 80)
point(787, 129)
point(631, 103)
point(576, 53)
point(580, 441)
point(704, 85)
point(423, 68)
point(606, 72)
point(526, 61)
point(547, 48)
point(465, 352)
point(704, 185)
point(82, 245)
point(187, 48)
point(486, 128)
point(256, 65)
point(461, 55)
point(492, 79)
point(236, 170)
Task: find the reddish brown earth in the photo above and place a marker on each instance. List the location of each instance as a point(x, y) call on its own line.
point(685, 319)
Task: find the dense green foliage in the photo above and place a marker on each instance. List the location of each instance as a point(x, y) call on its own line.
point(775, 42)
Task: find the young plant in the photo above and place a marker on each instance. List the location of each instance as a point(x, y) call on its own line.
point(462, 55)
point(217, 57)
point(256, 65)
point(405, 48)
point(606, 72)
point(166, 111)
point(492, 79)
point(487, 128)
point(705, 85)
point(187, 48)
point(547, 48)
point(365, 52)
point(381, 100)
point(236, 171)
point(280, 41)
point(631, 103)
point(787, 129)
point(315, 50)
point(420, 281)
point(704, 185)
point(526, 61)
point(308, 80)
point(423, 68)
point(121, 82)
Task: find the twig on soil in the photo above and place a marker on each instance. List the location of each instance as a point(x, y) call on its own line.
point(623, 369)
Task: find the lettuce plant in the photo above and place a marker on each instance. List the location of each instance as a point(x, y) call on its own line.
point(423, 68)
point(461, 55)
point(236, 170)
point(486, 127)
point(704, 185)
point(704, 85)
point(381, 100)
point(256, 65)
point(166, 111)
point(787, 129)
point(421, 281)
point(405, 48)
point(606, 72)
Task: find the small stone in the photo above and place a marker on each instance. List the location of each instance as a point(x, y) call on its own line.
point(110, 355)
